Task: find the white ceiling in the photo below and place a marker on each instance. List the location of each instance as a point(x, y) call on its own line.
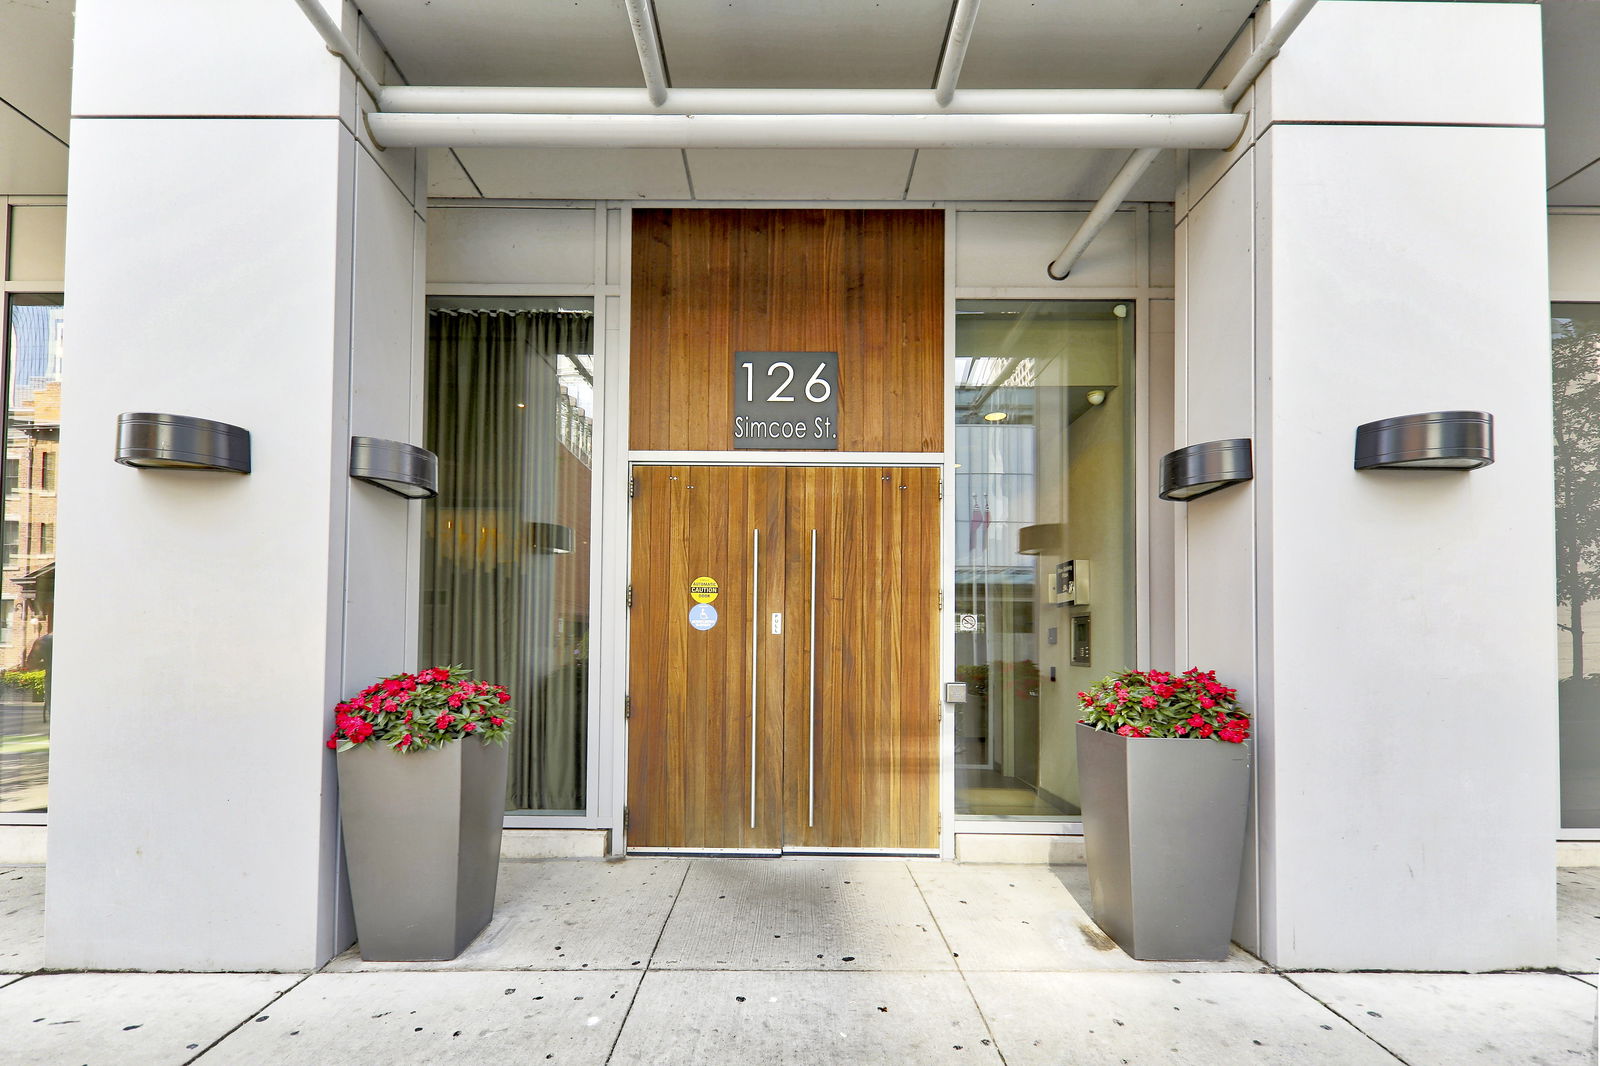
point(787, 43)
point(35, 76)
point(1572, 101)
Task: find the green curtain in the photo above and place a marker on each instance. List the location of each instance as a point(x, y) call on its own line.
point(495, 596)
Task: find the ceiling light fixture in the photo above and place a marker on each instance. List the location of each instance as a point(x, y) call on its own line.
point(995, 416)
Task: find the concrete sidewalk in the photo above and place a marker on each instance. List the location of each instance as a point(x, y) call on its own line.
point(746, 961)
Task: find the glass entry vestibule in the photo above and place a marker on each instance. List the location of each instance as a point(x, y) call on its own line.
point(792, 395)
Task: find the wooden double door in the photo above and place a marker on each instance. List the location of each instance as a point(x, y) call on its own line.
point(783, 659)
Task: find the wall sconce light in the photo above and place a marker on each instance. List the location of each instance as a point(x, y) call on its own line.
point(1201, 469)
point(551, 538)
point(180, 442)
point(1043, 538)
point(403, 469)
point(1435, 440)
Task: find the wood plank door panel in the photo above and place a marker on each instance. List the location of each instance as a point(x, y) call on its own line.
point(862, 713)
point(845, 750)
point(690, 732)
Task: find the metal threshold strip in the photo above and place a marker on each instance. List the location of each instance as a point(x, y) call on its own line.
point(778, 853)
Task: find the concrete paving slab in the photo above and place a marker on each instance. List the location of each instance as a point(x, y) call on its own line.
point(1159, 1019)
point(22, 919)
point(803, 1018)
point(1578, 920)
point(127, 1019)
point(563, 915)
point(786, 914)
point(1451, 1019)
point(1033, 918)
point(480, 1018)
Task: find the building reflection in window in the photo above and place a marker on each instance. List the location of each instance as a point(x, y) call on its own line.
point(1043, 434)
point(34, 351)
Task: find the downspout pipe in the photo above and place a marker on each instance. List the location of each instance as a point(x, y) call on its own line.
point(1294, 13)
point(955, 50)
point(642, 15)
point(341, 46)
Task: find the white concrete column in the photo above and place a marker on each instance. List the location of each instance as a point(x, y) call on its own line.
point(236, 251)
point(1376, 247)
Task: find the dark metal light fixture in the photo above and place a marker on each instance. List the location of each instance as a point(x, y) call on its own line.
point(180, 442)
point(551, 538)
point(403, 469)
point(1435, 440)
point(1200, 469)
point(1032, 540)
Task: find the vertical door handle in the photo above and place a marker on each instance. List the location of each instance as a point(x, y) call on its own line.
point(755, 658)
point(811, 757)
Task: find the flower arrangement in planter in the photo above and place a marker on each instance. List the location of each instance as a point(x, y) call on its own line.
point(1154, 703)
point(1164, 819)
point(422, 815)
point(415, 712)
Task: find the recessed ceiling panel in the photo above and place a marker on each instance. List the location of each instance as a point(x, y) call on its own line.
point(1096, 44)
point(36, 60)
point(1571, 88)
point(1032, 174)
point(446, 176)
point(578, 173)
point(1580, 190)
point(31, 161)
point(508, 42)
point(799, 174)
point(843, 44)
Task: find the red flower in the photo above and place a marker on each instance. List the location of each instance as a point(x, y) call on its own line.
point(503, 696)
point(443, 721)
point(470, 727)
point(1149, 702)
point(1125, 731)
point(496, 721)
point(1206, 730)
point(405, 741)
point(332, 743)
point(455, 700)
point(1207, 701)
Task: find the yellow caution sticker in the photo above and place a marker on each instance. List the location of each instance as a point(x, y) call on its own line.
point(703, 589)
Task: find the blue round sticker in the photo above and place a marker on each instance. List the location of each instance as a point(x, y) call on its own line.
point(702, 616)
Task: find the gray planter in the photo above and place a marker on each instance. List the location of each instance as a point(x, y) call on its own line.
point(422, 840)
point(1163, 828)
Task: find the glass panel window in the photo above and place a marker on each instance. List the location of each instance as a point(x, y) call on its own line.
point(1575, 358)
point(1042, 544)
point(34, 351)
point(510, 413)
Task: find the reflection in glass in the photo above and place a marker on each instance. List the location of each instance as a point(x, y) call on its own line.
point(1575, 360)
point(1043, 430)
point(34, 352)
point(505, 585)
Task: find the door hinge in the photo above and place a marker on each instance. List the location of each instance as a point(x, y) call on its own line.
point(627, 706)
point(941, 488)
point(630, 595)
point(627, 819)
point(633, 486)
point(941, 599)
